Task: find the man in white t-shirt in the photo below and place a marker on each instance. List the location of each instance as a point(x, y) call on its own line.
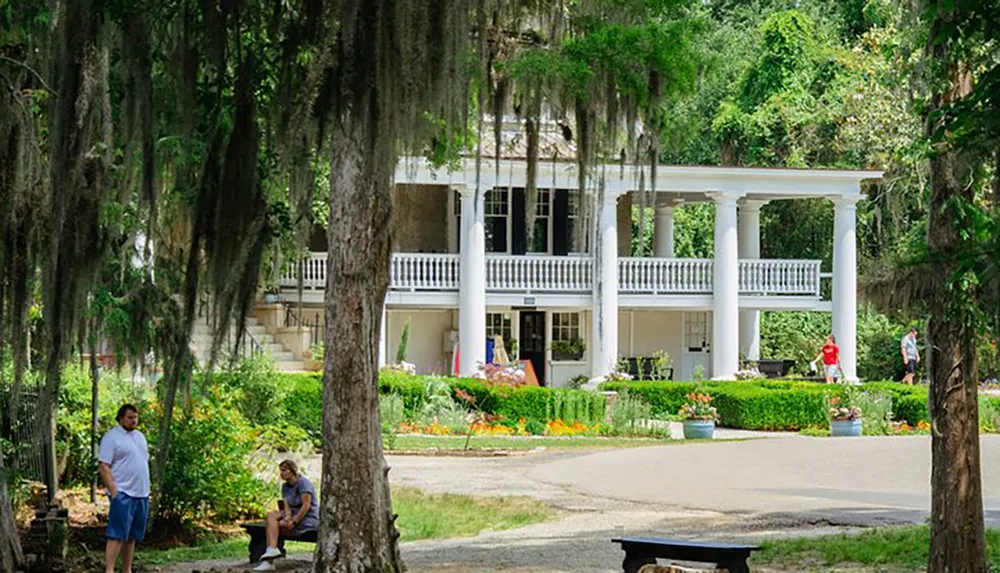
point(124, 467)
point(911, 356)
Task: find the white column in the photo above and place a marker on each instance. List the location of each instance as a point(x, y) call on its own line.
point(663, 230)
point(726, 296)
point(604, 326)
point(749, 248)
point(472, 283)
point(383, 331)
point(845, 283)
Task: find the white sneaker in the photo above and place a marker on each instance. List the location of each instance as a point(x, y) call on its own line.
point(271, 553)
point(264, 566)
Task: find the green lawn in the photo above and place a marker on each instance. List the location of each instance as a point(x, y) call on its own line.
point(898, 549)
point(421, 516)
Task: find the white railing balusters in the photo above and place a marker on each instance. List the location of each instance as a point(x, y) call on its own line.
point(574, 274)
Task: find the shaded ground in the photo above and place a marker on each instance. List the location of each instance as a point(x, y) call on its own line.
point(741, 491)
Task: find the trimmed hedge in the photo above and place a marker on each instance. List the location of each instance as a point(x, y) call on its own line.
point(771, 404)
point(752, 405)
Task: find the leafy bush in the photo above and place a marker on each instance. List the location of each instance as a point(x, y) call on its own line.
point(304, 404)
point(989, 414)
point(876, 411)
point(210, 472)
point(568, 406)
point(439, 407)
point(258, 390)
point(632, 416)
point(409, 388)
point(391, 415)
point(282, 437)
point(73, 417)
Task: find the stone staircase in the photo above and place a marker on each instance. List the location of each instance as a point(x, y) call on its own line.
point(257, 339)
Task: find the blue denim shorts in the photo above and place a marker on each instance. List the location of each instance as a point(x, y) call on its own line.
point(127, 518)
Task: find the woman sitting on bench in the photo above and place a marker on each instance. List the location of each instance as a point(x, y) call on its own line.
point(297, 512)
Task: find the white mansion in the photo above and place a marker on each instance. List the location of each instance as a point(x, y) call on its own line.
point(463, 270)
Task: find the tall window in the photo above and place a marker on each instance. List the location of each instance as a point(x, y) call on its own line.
point(496, 207)
point(567, 344)
point(577, 226)
point(543, 210)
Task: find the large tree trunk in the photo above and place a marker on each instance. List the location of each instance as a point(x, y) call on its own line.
point(10, 540)
point(357, 532)
point(957, 542)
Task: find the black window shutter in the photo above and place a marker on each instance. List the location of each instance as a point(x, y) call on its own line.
point(519, 240)
point(560, 222)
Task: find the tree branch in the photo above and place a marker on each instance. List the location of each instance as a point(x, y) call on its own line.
point(33, 72)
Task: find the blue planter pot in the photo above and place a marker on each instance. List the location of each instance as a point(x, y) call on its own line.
point(699, 429)
point(271, 298)
point(845, 428)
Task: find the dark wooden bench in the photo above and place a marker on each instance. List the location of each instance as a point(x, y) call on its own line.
point(641, 551)
point(258, 540)
point(775, 368)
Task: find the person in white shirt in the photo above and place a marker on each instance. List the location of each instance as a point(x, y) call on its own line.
point(911, 356)
point(124, 468)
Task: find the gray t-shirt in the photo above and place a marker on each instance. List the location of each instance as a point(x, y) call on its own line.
point(293, 497)
point(909, 344)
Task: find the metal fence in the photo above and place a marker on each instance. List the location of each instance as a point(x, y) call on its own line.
point(22, 432)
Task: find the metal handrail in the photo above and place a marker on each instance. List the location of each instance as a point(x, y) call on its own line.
point(293, 320)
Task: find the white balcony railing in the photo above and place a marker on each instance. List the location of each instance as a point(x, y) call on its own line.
point(536, 274)
point(664, 276)
point(573, 274)
point(784, 277)
point(412, 271)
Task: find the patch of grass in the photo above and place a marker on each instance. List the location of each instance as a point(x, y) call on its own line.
point(430, 516)
point(815, 432)
point(228, 549)
point(411, 442)
point(421, 516)
point(899, 547)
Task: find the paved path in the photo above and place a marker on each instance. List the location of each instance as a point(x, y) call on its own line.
point(787, 485)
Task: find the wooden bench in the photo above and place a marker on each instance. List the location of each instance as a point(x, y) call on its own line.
point(775, 368)
point(641, 551)
point(258, 540)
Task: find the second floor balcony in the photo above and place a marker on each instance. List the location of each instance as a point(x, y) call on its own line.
point(529, 274)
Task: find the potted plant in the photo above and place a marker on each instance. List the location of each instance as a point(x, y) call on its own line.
point(845, 418)
point(564, 350)
point(698, 416)
point(271, 294)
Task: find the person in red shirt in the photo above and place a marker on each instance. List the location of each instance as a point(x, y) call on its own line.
point(830, 353)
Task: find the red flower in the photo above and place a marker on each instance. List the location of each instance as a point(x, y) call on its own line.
point(465, 396)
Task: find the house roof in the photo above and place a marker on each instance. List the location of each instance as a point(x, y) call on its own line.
point(557, 169)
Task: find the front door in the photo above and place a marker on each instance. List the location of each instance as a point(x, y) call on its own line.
point(532, 344)
point(695, 356)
